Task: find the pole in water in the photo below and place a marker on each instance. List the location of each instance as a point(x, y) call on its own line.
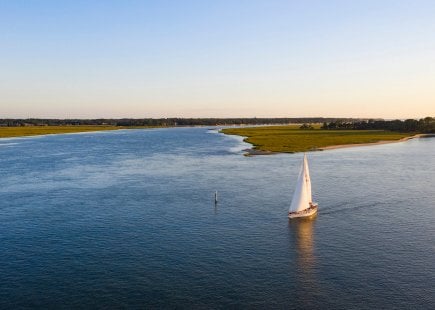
point(215, 197)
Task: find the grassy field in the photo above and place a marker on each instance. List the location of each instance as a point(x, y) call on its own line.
point(290, 139)
point(8, 132)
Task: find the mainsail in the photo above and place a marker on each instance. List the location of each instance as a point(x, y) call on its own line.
point(302, 195)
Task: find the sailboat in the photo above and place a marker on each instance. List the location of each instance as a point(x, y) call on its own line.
point(302, 204)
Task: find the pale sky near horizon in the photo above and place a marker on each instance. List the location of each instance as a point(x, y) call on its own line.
point(225, 58)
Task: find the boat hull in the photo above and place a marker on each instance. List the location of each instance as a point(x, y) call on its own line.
point(311, 211)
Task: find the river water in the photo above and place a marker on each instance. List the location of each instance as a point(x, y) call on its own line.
point(126, 219)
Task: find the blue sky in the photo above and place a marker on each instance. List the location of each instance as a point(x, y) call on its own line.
point(203, 58)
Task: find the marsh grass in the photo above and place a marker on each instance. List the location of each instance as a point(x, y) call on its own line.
point(290, 139)
point(8, 132)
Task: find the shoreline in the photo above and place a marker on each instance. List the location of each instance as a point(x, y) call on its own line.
point(254, 152)
point(41, 131)
point(342, 146)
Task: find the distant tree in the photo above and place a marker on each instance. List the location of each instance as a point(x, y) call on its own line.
point(306, 126)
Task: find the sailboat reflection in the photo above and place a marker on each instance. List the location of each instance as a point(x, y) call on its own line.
point(306, 286)
point(304, 243)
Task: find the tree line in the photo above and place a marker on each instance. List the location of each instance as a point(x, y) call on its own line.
point(166, 122)
point(423, 125)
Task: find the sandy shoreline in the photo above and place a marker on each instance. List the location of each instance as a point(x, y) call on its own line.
point(253, 152)
point(333, 147)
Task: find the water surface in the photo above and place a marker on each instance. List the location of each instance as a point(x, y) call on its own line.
point(127, 219)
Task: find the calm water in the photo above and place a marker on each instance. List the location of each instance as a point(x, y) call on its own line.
point(127, 219)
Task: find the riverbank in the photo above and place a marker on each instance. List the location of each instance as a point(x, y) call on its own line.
point(333, 147)
point(24, 131)
point(290, 139)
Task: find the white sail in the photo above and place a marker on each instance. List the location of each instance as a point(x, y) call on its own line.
point(307, 178)
point(302, 195)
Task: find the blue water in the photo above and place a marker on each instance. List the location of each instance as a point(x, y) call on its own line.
point(126, 219)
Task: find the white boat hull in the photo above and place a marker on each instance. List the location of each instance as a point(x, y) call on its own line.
point(311, 211)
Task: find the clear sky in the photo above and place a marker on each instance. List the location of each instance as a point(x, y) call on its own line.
point(217, 58)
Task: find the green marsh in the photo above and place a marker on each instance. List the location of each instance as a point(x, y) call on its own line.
point(290, 139)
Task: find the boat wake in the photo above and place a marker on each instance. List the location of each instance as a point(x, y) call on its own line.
point(347, 207)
